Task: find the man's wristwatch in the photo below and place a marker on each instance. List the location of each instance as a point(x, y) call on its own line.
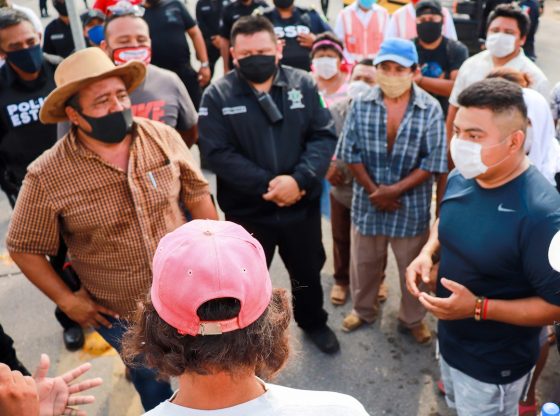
point(205, 64)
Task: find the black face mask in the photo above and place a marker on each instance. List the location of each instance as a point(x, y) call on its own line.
point(283, 4)
point(60, 8)
point(257, 68)
point(28, 60)
point(429, 32)
point(111, 128)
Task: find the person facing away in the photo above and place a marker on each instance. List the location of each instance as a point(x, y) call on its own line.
point(214, 321)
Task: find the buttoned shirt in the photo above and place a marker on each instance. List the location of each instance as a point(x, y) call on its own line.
point(420, 144)
point(110, 219)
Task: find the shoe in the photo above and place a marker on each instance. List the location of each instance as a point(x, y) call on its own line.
point(325, 339)
point(339, 294)
point(73, 338)
point(383, 293)
point(420, 333)
point(352, 322)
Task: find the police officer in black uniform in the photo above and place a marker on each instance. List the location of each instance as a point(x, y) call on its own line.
point(25, 81)
point(230, 14)
point(208, 15)
point(297, 27)
point(266, 134)
point(58, 35)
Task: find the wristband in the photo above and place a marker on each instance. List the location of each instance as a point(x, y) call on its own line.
point(478, 308)
point(485, 308)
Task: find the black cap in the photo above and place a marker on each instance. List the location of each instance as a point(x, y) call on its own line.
point(91, 14)
point(428, 7)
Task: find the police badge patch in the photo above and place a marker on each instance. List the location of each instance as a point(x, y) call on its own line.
point(295, 96)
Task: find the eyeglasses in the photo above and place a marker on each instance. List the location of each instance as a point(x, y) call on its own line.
point(125, 7)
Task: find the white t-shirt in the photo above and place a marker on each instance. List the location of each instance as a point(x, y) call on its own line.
point(478, 66)
point(276, 401)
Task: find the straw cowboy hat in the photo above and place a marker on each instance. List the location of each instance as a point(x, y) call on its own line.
point(81, 69)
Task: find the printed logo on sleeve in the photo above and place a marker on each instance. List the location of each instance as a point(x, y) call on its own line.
point(203, 111)
point(25, 112)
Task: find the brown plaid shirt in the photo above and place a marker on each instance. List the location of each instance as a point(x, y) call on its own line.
point(111, 220)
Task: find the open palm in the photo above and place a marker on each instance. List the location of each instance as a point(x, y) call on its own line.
point(56, 394)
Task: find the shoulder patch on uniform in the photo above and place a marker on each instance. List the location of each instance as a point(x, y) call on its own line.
point(203, 111)
point(229, 111)
point(554, 252)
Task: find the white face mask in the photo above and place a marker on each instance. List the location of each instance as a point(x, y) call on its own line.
point(500, 44)
point(357, 88)
point(467, 157)
point(325, 67)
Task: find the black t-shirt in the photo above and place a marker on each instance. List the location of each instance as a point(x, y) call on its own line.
point(22, 136)
point(168, 21)
point(496, 242)
point(439, 62)
point(208, 15)
point(234, 11)
point(302, 21)
point(58, 39)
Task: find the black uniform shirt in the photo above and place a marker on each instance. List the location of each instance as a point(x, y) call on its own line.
point(58, 39)
point(208, 15)
point(246, 150)
point(234, 11)
point(302, 21)
point(22, 136)
point(168, 22)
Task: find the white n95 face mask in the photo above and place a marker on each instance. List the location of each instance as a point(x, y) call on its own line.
point(357, 88)
point(500, 44)
point(467, 157)
point(325, 67)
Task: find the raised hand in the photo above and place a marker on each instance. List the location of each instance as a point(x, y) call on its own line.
point(56, 394)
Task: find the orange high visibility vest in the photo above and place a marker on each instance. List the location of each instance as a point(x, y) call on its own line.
point(363, 42)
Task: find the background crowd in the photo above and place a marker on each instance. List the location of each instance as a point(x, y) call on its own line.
point(362, 121)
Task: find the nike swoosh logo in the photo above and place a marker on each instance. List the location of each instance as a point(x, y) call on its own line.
point(502, 209)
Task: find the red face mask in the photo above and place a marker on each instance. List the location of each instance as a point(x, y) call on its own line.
point(140, 53)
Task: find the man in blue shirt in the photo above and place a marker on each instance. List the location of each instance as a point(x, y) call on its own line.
point(394, 142)
point(496, 285)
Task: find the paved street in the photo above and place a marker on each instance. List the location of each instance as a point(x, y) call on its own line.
point(385, 370)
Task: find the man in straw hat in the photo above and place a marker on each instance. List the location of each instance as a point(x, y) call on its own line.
point(112, 187)
point(214, 320)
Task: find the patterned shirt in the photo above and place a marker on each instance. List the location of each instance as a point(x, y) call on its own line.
point(111, 220)
point(420, 144)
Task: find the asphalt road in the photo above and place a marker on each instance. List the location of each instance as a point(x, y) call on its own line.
point(384, 369)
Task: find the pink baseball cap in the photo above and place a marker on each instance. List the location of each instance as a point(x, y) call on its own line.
point(205, 260)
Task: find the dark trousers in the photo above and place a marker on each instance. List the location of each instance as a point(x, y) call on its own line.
point(301, 249)
point(8, 353)
point(213, 55)
point(340, 224)
point(151, 390)
point(190, 78)
point(43, 7)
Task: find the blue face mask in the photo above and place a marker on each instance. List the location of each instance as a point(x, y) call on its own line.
point(95, 34)
point(28, 60)
point(367, 4)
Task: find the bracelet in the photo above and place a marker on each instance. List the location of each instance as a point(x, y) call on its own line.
point(478, 308)
point(205, 64)
point(485, 308)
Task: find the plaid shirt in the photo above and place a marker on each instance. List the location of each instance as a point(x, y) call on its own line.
point(420, 143)
point(111, 220)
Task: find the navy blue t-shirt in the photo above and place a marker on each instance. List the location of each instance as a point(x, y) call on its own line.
point(495, 242)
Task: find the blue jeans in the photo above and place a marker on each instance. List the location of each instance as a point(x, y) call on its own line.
point(152, 392)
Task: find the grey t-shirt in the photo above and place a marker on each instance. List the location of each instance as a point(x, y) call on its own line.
point(161, 97)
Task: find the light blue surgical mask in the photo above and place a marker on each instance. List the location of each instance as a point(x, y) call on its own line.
point(367, 4)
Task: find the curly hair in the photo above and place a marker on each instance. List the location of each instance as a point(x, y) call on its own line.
point(262, 346)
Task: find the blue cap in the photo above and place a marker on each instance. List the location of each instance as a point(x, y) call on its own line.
point(550, 409)
point(397, 50)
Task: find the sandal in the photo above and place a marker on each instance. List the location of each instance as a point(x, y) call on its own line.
point(339, 294)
